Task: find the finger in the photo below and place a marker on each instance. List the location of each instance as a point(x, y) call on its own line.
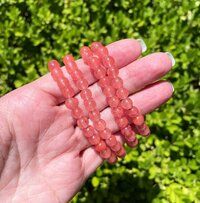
point(124, 52)
point(147, 100)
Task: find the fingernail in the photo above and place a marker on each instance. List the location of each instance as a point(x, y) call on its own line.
point(142, 44)
point(172, 87)
point(171, 58)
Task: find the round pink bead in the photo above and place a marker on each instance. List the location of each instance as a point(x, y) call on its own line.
point(53, 64)
point(89, 131)
point(113, 101)
point(83, 122)
point(67, 92)
point(133, 144)
point(90, 105)
point(77, 113)
point(94, 139)
point(112, 159)
point(139, 120)
point(144, 131)
point(122, 93)
point(86, 94)
point(127, 131)
point(111, 141)
point(76, 75)
point(99, 49)
point(122, 122)
point(104, 82)
point(94, 115)
point(94, 63)
point(126, 103)
point(99, 73)
point(117, 82)
point(100, 146)
point(133, 112)
point(130, 138)
point(121, 152)
point(113, 72)
point(117, 147)
point(118, 112)
point(106, 153)
point(86, 53)
point(95, 46)
point(68, 58)
point(108, 61)
point(109, 91)
point(100, 125)
point(82, 84)
point(71, 103)
point(105, 134)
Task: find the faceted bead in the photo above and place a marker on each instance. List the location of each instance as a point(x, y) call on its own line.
point(94, 139)
point(86, 53)
point(117, 82)
point(111, 141)
point(100, 125)
point(121, 152)
point(104, 82)
point(133, 112)
point(76, 75)
point(94, 63)
point(100, 146)
point(89, 131)
point(113, 101)
point(68, 58)
point(113, 72)
point(108, 61)
point(117, 112)
point(122, 122)
point(117, 147)
point(139, 120)
point(109, 91)
point(133, 144)
point(130, 138)
point(86, 94)
point(90, 104)
point(53, 64)
point(67, 93)
point(112, 159)
point(99, 73)
point(99, 49)
point(126, 103)
point(95, 46)
point(71, 66)
point(71, 103)
point(56, 74)
point(122, 93)
point(106, 153)
point(83, 122)
point(94, 115)
point(82, 84)
point(127, 131)
point(77, 113)
point(63, 83)
point(105, 134)
point(145, 131)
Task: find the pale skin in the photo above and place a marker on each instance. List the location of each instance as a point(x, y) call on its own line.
point(44, 157)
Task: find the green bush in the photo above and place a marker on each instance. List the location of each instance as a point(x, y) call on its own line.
point(164, 168)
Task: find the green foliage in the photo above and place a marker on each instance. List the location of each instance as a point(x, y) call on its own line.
point(165, 167)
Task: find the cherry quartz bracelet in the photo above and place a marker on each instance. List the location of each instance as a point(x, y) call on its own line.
point(94, 114)
point(77, 113)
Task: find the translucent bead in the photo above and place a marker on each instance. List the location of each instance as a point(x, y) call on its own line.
point(144, 130)
point(122, 93)
point(86, 94)
point(54, 68)
point(99, 49)
point(117, 147)
point(121, 153)
point(94, 139)
point(65, 88)
point(112, 159)
point(86, 53)
point(67, 93)
point(106, 153)
point(94, 63)
point(90, 105)
point(83, 122)
point(122, 122)
point(100, 125)
point(105, 134)
point(133, 144)
point(95, 46)
point(117, 82)
point(89, 131)
point(113, 101)
point(99, 73)
point(76, 75)
point(117, 112)
point(108, 61)
point(139, 120)
point(104, 82)
point(127, 131)
point(111, 141)
point(100, 146)
point(133, 112)
point(82, 84)
point(71, 103)
point(77, 113)
point(68, 58)
point(130, 138)
point(113, 72)
point(94, 115)
point(126, 103)
point(109, 91)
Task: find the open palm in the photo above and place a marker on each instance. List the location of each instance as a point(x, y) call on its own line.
point(44, 157)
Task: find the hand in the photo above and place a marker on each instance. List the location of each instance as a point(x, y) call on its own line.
point(44, 157)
